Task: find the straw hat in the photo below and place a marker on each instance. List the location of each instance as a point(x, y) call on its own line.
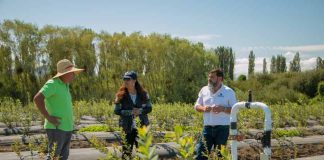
point(65, 66)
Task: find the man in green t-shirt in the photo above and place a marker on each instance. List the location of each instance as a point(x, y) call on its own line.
point(54, 102)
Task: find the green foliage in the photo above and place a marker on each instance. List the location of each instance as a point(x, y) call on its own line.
point(36, 147)
point(241, 77)
point(281, 87)
point(17, 147)
point(281, 64)
point(282, 115)
point(264, 66)
point(286, 133)
point(307, 82)
point(225, 153)
point(161, 61)
point(166, 116)
point(94, 128)
point(27, 116)
point(186, 144)
point(320, 89)
point(99, 109)
point(52, 154)
point(278, 64)
point(319, 63)
point(99, 145)
point(320, 94)
point(251, 64)
point(273, 68)
point(179, 114)
point(295, 64)
point(145, 151)
point(265, 79)
point(10, 111)
point(226, 59)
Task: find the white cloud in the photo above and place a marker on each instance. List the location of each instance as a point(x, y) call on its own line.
point(241, 64)
point(289, 56)
point(207, 39)
point(306, 51)
point(302, 48)
point(308, 64)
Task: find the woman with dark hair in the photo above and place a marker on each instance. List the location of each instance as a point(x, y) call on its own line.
point(131, 101)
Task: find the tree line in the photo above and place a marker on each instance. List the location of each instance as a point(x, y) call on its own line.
point(171, 69)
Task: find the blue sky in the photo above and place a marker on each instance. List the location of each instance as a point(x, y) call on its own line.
point(266, 27)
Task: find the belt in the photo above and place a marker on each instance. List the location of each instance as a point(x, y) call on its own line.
point(211, 125)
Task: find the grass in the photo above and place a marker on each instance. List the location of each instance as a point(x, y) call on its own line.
point(94, 128)
point(287, 133)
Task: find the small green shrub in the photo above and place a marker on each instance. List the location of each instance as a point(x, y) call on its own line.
point(287, 133)
point(94, 128)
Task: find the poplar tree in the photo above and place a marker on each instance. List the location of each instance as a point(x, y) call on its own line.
point(319, 63)
point(273, 68)
point(251, 64)
point(226, 59)
point(264, 70)
point(295, 64)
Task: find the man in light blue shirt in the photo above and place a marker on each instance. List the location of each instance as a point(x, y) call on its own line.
point(215, 101)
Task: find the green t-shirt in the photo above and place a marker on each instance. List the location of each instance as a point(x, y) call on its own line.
point(58, 103)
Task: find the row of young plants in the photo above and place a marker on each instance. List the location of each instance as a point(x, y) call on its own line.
point(165, 116)
point(146, 150)
point(184, 147)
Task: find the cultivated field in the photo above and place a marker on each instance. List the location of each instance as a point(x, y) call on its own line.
point(298, 130)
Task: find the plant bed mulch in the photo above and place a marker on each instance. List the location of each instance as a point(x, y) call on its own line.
point(249, 149)
point(305, 131)
point(285, 148)
point(295, 147)
point(111, 137)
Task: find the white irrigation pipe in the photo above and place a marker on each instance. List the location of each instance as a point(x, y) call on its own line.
point(266, 139)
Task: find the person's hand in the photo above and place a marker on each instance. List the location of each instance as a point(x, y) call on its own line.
point(208, 108)
point(54, 120)
point(217, 109)
point(136, 111)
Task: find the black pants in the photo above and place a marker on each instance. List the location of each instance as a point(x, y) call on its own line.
point(130, 141)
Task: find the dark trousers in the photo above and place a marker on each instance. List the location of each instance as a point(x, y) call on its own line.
point(211, 136)
point(62, 140)
point(130, 141)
